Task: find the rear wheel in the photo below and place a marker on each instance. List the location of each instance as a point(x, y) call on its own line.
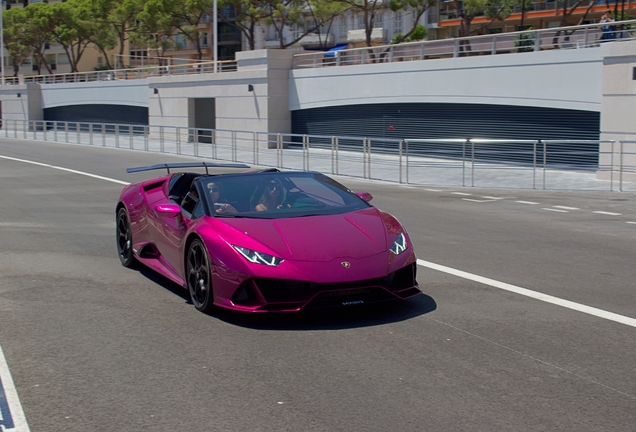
point(198, 275)
point(124, 239)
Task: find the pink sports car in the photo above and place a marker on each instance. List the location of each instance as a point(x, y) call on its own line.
point(264, 241)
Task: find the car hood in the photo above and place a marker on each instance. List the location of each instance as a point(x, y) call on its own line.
point(315, 238)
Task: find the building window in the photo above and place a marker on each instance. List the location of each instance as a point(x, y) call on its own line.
point(361, 22)
point(343, 27)
point(62, 59)
point(379, 20)
point(398, 22)
point(204, 39)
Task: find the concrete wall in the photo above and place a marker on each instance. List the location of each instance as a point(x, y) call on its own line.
point(569, 79)
point(618, 119)
point(263, 109)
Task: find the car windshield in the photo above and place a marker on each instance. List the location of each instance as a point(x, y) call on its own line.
point(275, 195)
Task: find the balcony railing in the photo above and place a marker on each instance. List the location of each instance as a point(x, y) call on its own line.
point(575, 37)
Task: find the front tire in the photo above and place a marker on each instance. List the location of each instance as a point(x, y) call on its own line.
point(124, 239)
point(199, 276)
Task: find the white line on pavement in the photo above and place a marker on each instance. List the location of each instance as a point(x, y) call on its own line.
point(14, 420)
point(492, 198)
point(527, 202)
point(532, 294)
point(555, 210)
point(461, 193)
point(631, 222)
point(434, 190)
point(566, 208)
point(607, 213)
point(66, 169)
point(476, 200)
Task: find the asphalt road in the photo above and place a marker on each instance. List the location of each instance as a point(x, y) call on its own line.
point(92, 346)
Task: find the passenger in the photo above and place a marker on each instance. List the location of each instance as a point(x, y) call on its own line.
point(273, 196)
point(219, 203)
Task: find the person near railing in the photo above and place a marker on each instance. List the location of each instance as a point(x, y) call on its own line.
point(607, 27)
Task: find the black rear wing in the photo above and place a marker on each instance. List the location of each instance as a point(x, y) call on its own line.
point(168, 166)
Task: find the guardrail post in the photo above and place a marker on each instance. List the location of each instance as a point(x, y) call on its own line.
point(178, 140)
point(472, 163)
point(90, 133)
point(35, 129)
point(46, 123)
point(214, 146)
point(130, 134)
point(545, 160)
point(255, 143)
point(391, 54)
point(305, 153)
point(537, 42)
point(534, 165)
point(26, 127)
point(196, 142)
point(400, 160)
point(234, 147)
point(494, 46)
point(161, 141)
point(66, 131)
point(55, 131)
point(620, 173)
point(455, 48)
point(464, 164)
point(611, 165)
point(146, 133)
point(116, 136)
point(103, 135)
point(77, 129)
point(279, 150)
point(407, 161)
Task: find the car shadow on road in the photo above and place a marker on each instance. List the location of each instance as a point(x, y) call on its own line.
point(311, 319)
point(333, 318)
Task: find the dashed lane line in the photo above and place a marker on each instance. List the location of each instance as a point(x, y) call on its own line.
point(555, 210)
point(600, 313)
point(527, 202)
point(566, 208)
point(461, 193)
point(608, 213)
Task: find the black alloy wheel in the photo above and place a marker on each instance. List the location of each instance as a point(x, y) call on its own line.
point(124, 239)
point(199, 276)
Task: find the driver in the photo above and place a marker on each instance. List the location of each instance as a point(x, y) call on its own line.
point(219, 203)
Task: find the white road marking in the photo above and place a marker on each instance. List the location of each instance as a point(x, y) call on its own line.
point(66, 169)
point(555, 210)
point(631, 222)
point(461, 193)
point(566, 208)
point(13, 420)
point(527, 202)
point(434, 190)
point(600, 313)
point(476, 200)
point(608, 213)
point(492, 198)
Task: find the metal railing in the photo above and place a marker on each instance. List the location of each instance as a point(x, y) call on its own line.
point(575, 37)
point(517, 164)
point(169, 68)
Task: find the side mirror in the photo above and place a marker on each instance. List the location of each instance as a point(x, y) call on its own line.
point(168, 209)
point(365, 196)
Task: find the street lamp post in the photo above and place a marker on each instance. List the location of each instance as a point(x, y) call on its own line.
point(2, 39)
point(216, 37)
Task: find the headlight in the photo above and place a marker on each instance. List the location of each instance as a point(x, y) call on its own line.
point(399, 245)
point(258, 257)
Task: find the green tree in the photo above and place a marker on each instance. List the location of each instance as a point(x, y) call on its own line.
point(15, 40)
point(247, 14)
point(418, 7)
point(493, 10)
point(73, 27)
point(177, 16)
